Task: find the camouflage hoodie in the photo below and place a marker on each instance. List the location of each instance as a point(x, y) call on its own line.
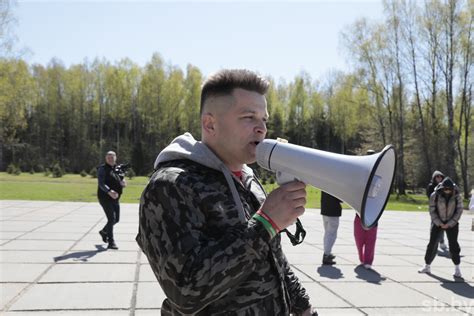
point(206, 252)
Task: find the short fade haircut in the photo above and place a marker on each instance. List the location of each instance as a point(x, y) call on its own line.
point(225, 81)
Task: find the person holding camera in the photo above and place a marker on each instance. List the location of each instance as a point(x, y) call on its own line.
point(111, 183)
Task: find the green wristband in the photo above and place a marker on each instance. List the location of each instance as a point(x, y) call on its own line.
point(266, 224)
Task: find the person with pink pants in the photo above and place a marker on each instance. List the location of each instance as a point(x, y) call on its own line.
point(365, 241)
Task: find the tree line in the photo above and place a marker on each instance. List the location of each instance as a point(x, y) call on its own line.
point(411, 86)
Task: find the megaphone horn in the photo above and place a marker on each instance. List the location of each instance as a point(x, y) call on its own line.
point(363, 182)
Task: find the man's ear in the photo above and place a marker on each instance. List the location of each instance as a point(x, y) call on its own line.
point(208, 123)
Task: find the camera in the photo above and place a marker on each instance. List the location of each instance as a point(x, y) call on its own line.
point(121, 170)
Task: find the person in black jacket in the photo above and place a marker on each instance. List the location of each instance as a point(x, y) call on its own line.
point(331, 211)
point(108, 193)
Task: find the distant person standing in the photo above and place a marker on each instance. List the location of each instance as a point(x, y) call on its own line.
point(446, 207)
point(331, 211)
point(108, 193)
point(436, 179)
point(365, 238)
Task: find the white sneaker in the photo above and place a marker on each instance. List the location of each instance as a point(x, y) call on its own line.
point(457, 272)
point(367, 266)
point(443, 246)
point(425, 269)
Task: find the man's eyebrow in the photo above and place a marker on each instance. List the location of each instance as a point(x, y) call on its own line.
point(252, 111)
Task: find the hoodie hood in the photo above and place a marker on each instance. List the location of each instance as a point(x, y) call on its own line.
point(186, 147)
point(435, 174)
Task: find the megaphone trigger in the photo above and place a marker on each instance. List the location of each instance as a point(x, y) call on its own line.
point(283, 177)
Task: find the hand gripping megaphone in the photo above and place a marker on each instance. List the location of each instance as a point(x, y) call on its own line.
point(363, 182)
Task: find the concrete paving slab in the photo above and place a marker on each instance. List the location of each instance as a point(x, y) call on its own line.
point(23, 256)
point(9, 291)
point(458, 294)
point(403, 311)
point(379, 260)
point(119, 236)
point(400, 250)
point(149, 295)
point(340, 273)
point(147, 312)
point(80, 296)
point(21, 272)
point(313, 258)
point(98, 255)
point(37, 245)
point(323, 297)
point(51, 236)
point(403, 274)
point(339, 311)
point(386, 294)
point(468, 310)
point(10, 235)
point(441, 260)
point(72, 313)
point(146, 274)
point(60, 243)
point(66, 273)
point(447, 272)
point(19, 226)
point(123, 245)
point(65, 228)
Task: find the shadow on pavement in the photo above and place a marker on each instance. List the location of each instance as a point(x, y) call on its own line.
point(458, 286)
point(330, 272)
point(81, 255)
point(369, 275)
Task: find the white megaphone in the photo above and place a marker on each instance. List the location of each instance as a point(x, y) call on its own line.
point(363, 182)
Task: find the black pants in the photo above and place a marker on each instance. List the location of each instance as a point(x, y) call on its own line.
point(112, 211)
point(436, 233)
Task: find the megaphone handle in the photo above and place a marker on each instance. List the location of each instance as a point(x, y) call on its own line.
point(300, 233)
point(283, 178)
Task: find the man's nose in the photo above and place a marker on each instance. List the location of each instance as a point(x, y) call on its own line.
point(261, 127)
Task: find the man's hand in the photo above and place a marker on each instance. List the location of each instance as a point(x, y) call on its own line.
point(444, 226)
point(114, 195)
point(286, 203)
point(123, 183)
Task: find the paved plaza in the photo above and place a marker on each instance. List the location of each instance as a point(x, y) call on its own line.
point(53, 262)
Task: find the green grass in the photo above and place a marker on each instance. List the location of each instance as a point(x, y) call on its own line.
point(70, 187)
point(73, 187)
